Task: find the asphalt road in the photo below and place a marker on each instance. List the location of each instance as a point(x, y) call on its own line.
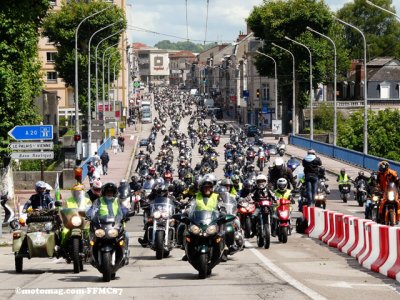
point(301, 269)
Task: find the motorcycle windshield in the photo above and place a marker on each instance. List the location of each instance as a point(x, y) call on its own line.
point(147, 185)
point(203, 217)
point(163, 205)
point(230, 203)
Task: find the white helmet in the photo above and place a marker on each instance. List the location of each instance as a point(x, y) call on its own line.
point(261, 181)
point(279, 161)
point(281, 184)
point(208, 178)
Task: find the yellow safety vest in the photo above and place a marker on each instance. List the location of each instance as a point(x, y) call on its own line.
point(234, 192)
point(343, 179)
point(211, 203)
point(103, 211)
point(284, 195)
point(72, 203)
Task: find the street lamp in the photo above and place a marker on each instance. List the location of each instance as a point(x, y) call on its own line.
point(76, 77)
point(97, 81)
point(365, 84)
point(276, 82)
point(311, 87)
point(334, 83)
point(108, 76)
point(89, 110)
point(294, 88)
point(384, 9)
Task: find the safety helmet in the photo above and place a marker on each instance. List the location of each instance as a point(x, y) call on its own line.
point(226, 182)
point(342, 171)
point(159, 181)
point(134, 178)
point(208, 179)
point(383, 166)
point(123, 182)
point(235, 179)
point(96, 187)
point(281, 184)
point(152, 171)
point(188, 178)
point(109, 187)
point(248, 183)
point(311, 151)
point(40, 185)
point(261, 181)
point(48, 187)
point(361, 173)
point(197, 180)
point(279, 162)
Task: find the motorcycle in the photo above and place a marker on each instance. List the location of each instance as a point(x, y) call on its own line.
point(361, 192)
point(261, 161)
point(281, 149)
point(204, 239)
point(109, 245)
point(390, 216)
point(136, 202)
point(161, 234)
point(246, 208)
point(281, 225)
point(215, 140)
point(372, 206)
point(263, 222)
point(250, 156)
point(344, 191)
point(9, 215)
point(320, 196)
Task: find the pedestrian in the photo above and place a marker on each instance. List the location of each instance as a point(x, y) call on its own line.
point(114, 145)
point(104, 161)
point(90, 172)
point(96, 160)
point(121, 142)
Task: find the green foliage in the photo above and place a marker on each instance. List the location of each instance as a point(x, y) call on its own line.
point(324, 117)
point(20, 78)
point(187, 45)
point(275, 19)
point(60, 28)
point(382, 30)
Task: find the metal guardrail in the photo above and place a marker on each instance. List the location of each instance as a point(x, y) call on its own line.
point(346, 103)
point(103, 147)
point(352, 157)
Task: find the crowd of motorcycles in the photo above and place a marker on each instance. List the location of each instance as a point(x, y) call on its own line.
point(166, 197)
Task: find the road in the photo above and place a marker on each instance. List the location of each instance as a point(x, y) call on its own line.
point(301, 269)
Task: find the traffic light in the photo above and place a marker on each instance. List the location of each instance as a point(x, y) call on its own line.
point(77, 137)
point(258, 93)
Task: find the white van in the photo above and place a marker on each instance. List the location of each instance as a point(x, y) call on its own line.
point(146, 116)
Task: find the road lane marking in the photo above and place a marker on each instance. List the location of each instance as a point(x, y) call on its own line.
point(283, 275)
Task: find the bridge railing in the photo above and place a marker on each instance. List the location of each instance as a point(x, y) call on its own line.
point(348, 156)
point(103, 147)
point(346, 103)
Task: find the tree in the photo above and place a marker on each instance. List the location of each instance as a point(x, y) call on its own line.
point(187, 45)
point(382, 30)
point(20, 78)
point(60, 28)
point(275, 19)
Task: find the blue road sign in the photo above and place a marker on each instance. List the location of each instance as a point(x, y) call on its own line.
point(32, 132)
point(265, 109)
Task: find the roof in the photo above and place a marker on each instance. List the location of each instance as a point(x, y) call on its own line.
point(386, 73)
point(139, 46)
point(182, 54)
point(218, 57)
point(380, 61)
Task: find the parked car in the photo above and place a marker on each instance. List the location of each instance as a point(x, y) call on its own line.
point(252, 131)
point(143, 142)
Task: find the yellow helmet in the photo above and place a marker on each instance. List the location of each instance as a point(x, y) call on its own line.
point(78, 187)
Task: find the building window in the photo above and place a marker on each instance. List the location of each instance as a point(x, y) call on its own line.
point(51, 56)
point(384, 90)
point(52, 77)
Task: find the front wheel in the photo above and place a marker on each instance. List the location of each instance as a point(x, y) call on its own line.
point(247, 228)
point(75, 255)
point(106, 266)
point(203, 266)
point(19, 264)
point(159, 244)
point(283, 235)
point(267, 237)
point(392, 218)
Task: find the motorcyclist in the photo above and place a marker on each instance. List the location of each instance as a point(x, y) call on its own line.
point(311, 164)
point(193, 188)
point(247, 188)
point(140, 156)
point(385, 176)
point(237, 185)
point(260, 192)
point(343, 179)
point(77, 200)
point(279, 170)
point(95, 191)
point(108, 205)
point(125, 193)
point(40, 200)
point(227, 183)
point(281, 192)
point(135, 184)
point(360, 177)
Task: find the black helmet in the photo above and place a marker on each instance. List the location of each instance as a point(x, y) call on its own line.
point(109, 186)
point(342, 171)
point(383, 166)
point(361, 173)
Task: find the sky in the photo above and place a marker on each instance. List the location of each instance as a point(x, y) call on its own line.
point(226, 18)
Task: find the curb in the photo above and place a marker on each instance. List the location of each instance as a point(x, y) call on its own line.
point(128, 172)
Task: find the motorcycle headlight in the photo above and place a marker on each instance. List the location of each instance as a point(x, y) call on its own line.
point(48, 226)
point(157, 215)
point(244, 204)
point(164, 215)
point(391, 196)
point(194, 229)
point(99, 233)
point(76, 221)
point(112, 233)
point(375, 198)
point(211, 230)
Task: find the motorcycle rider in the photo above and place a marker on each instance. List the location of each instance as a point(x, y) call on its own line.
point(108, 205)
point(95, 191)
point(140, 156)
point(311, 164)
point(279, 170)
point(361, 176)
point(385, 176)
point(261, 191)
point(40, 200)
point(247, 188)
point(227, 183)
point(282, 192)
point(135, 184)
point(237, 185)
point(343, 179)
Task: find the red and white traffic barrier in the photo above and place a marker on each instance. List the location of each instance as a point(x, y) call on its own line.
point(331, 227)
point(359, 238)
point(379, 247)
point(319, 222)
point(391, 267)
point(371, 241)
point(349, 233)
point(311, 220)
point(325, 225)
point(339, 232)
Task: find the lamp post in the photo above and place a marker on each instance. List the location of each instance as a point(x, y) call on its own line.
point(89, 109)
point(104, 93)
point(311, 87)
point(97, 81)
point(294, 88)
point(383, 9)
point(365, 148)
point(117, 84)
point(76, 77)
point(109, 81)
point(276, 82)
point(334, 83)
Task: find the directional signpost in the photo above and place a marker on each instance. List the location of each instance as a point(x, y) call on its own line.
point(33, 155)
point(32, 146)
point(32, 132)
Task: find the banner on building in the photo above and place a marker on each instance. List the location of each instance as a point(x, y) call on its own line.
point(276, 126)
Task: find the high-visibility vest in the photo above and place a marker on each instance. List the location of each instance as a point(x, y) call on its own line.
point(284, 195)
point(103, 210)
point(72, 203)
point(234, 192)
point(211, 203)
point(343, 179)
